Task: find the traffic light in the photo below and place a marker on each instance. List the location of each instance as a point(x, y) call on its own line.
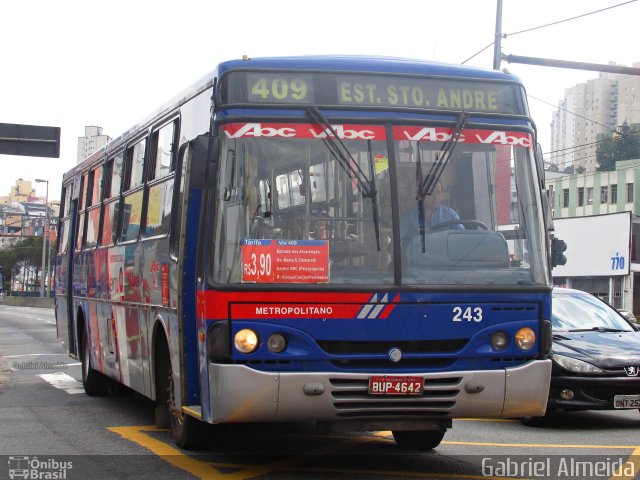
point(557, 248)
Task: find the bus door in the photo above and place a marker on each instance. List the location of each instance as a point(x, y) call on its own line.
point(68, 266)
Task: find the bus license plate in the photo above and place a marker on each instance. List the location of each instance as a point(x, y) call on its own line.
point(626, 401)
point(385, 385)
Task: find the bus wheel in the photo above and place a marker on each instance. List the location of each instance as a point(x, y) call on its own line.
point(187, 431)
point(421, 440)
point(94, 383)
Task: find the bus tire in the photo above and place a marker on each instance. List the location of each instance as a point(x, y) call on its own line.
point(534, 421)
point(186, 430)
point(421, 440)
point(94, 383)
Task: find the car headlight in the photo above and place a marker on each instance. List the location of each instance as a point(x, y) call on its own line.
point(574, 365)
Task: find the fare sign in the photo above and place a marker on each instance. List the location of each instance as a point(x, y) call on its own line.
point(395, 385)
point(285, 261)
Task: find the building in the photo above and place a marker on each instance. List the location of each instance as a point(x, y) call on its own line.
point(22, 191)
point(603, 211)
point(93, 140)
point(589, 109)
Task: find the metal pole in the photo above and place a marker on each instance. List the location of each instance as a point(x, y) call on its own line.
point(48, 247)
point(44, 238)
point(497, 44)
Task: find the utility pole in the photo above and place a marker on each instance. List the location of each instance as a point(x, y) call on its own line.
point(45, 273)
point(497, 44)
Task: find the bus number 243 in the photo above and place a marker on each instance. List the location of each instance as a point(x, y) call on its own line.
point(470, 314)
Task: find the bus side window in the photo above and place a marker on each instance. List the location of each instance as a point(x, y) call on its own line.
point(81, 215)
point(159, 208)
point(111, 196)
point(160, 181)
point(162, 159)
point(65, 223)
point(93, 208)
point(135, 164)
point(132, 202)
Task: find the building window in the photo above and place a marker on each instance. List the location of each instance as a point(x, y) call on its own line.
point(604, 194)
point(614, 194)
point(580, 196)
point(565, 197)
point(629, 192)
point(589, 195)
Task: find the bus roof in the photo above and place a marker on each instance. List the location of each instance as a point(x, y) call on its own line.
point(360, 63)
point(318, 63)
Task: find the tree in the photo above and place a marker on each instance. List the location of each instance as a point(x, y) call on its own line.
point(625, 145)
point(25, 254)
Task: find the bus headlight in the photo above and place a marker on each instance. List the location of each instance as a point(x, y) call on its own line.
point(525, 338)
point(499, 340)
point(246, 340)
point(276, 343)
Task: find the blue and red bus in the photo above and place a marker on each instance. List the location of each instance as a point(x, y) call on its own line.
point(354, 241)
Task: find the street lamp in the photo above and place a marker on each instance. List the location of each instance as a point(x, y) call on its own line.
point(44, 236)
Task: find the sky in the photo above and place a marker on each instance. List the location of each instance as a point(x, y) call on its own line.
point(74, 63)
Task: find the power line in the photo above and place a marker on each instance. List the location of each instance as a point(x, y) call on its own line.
point(478, 53)
point(573, 113)
point(505, 35)
point(567, 19)
point(584, 146)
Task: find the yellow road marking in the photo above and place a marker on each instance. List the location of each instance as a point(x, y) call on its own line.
point(632, 465)
point(168, 453)
point(208, 470)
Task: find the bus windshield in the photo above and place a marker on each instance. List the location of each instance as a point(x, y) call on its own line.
point(312, 204)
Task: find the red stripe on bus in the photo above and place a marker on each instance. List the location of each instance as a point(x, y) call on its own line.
point(215, 305)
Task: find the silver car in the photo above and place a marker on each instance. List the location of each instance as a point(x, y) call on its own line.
point(628, 315)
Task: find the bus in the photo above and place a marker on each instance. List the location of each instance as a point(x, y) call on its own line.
point(263, 249)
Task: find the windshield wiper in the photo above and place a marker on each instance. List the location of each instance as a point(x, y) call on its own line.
point(428, 184)
point(598, 329)
point(341, 153)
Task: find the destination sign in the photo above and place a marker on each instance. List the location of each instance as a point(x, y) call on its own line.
point(371, 90)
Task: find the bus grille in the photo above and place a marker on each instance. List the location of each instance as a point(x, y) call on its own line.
point(385, 363)
point(382, 347)
point(351, 399)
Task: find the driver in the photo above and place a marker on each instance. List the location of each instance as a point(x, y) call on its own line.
point(434, 214)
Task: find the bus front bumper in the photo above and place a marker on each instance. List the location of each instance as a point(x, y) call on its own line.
point(242, 394)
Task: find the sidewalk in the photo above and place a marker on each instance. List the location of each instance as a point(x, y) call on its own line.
point(29, 302)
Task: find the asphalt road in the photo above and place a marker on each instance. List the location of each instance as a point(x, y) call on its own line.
point(50, 429)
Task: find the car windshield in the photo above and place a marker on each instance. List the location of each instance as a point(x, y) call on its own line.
point(305, 203)
point(575, 311)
